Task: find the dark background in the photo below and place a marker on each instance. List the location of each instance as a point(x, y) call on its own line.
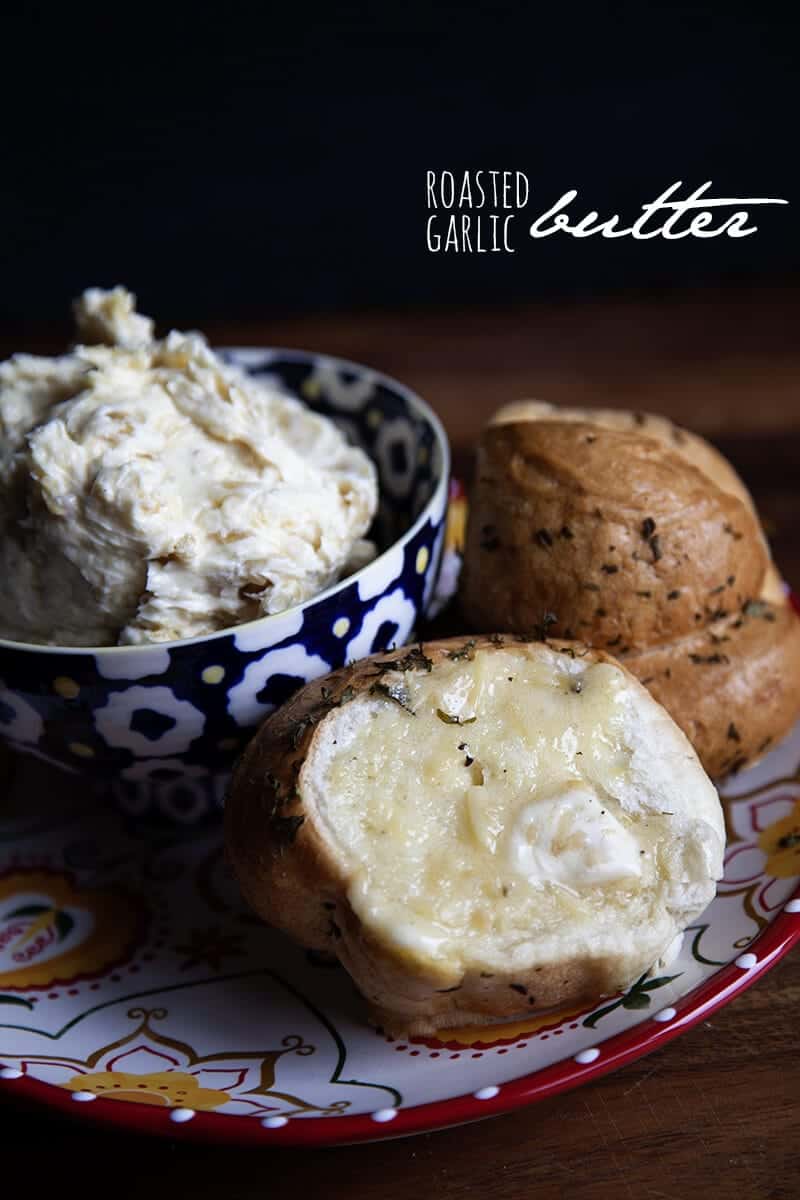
point(228, 167)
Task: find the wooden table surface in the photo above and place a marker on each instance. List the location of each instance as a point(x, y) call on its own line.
point(717, 1109)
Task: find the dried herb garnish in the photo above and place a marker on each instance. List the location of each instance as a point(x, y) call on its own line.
point(648, 528)
point(733, 733)
point(415, 660)
point(541, 630)
point(590, 587)
point(347, 695)
point(544, 537)
point(303, 725)
point(519, 987)
point(567, 533)
point(709, 658)
point(609, 569)
point(452, 719)
point(731, 532)
point(716, 591)
point(285, 829)
point(789, 841)
point(489, 538)
point(674, 594)
point(398, 692)
point(655, 547)
point(467, 651)
point(759, 608)
point(644, 595)
point(496, 639)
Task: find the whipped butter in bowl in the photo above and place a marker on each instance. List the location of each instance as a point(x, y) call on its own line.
point(150, 491)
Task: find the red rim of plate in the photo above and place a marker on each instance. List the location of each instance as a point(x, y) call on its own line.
point(778, 938)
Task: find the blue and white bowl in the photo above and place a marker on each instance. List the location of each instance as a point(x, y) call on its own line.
point(165, 721)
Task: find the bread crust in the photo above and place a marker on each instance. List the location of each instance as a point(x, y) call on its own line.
point(289, 876)
point(622, 540)
point(639, 537)
point(732, 687)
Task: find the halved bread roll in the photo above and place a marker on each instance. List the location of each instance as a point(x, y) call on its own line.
point(476, 828)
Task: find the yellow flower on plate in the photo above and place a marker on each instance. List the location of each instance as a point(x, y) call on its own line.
point(781, 844)
point(173, 1089)
point(456, 527)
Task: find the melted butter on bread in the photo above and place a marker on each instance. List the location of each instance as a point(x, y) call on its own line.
point(511, 807)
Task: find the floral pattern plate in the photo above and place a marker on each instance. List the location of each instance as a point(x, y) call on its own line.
point(135, 987)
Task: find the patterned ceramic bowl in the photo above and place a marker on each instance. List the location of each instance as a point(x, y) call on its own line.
point(167, 720)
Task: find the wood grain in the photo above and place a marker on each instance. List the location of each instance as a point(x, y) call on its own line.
point(717, 1110)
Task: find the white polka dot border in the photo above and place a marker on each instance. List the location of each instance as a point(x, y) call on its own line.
point(83, 1097)
point(792, 906)
point(666, 1014)
point(181, 1115)
point(487, 1093)
point(10, 1073)
point(584, 1057)
point(746, 962)
point(382, 1115)
point(274, 1122)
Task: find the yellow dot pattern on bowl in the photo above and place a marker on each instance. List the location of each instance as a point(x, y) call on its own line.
point(374, 417)
point(311, 388)
point(66, 687)
point(422, 559)
point(81, 750)
point(213, 675)
point(341, 627)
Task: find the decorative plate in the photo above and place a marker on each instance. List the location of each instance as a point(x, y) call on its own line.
point(136, 989)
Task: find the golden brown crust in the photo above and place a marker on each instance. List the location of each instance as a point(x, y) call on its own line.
point(556, 489)
point(734, 687)
point(288, 875)
point(623, 540)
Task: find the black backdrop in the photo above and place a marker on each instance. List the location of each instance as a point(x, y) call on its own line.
point(223, 166)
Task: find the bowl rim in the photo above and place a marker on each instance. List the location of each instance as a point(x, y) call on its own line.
point(419, 406)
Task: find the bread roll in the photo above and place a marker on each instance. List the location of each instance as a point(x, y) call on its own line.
point(476, 828)
point(639, 537)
